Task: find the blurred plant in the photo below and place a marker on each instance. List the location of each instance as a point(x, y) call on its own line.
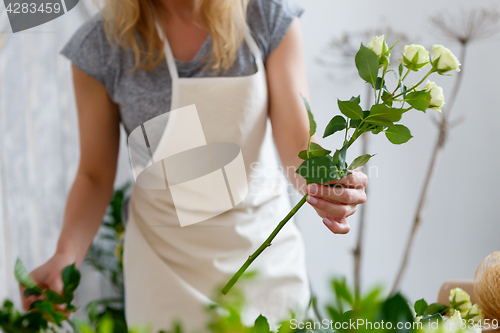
point(352, 312)
point(106, 256)
point(45, 314)
point(106, 253)
point(337, 56)
point(465, 29)
point(107, 324)
point(349, 311)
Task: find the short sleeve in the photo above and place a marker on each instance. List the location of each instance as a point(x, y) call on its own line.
point(270, 20)
point(89, 50)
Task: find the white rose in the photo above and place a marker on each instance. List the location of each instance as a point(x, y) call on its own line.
point(421, 55)
point(457, 295)
point(443, 60)
point(378, 45)
point(464, 308)
point(455, 320)
point(437, 102)
point(474, 313)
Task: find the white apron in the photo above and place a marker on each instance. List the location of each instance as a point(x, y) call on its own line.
point(171, 272)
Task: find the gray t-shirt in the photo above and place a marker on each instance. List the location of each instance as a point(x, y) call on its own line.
point(142, 95)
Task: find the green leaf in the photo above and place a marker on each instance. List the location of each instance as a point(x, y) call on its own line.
point(82, 326)
point(318, 169)
point(342, 291)
point(339, 158)
point(377, 130)
point(338, 123)
point(32, 291)
point(315, 150)
point(379, 83)
point(398, 134)
point(105, 325)
point(47, 308)
point(379, 122)
point(353, 123)
point(70, 308)
point(360, 161)
point(386, 98)
point(435, 308)
point(396, 311)
point(36, 322)
point(403, 90)
point(350, 109)
point(24, 279)
point(367, 64)
point(303, 155)
point(371, 300)
point(312, 123)
point(420, 307)
point(261, 325)
point(356, 99)
point(420, 100)
point(415, 58)
point(334, 314)
point(54, 297)
point(71, 280)
point(286, 327)
point(385, 113)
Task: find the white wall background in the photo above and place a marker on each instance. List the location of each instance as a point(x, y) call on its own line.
point(460, 223)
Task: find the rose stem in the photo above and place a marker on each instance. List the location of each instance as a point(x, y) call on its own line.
point(264, 245)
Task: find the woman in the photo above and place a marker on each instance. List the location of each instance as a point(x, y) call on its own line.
point(241, 65)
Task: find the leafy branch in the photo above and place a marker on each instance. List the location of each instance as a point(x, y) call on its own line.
point(320, 166)
point(44, 313)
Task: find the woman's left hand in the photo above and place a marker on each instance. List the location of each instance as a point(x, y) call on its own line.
point(335, 203)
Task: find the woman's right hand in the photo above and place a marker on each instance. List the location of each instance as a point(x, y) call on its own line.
point(47, 276)
point(99, 128)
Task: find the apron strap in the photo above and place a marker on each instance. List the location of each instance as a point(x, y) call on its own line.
point(254, 48)
point(172, 67)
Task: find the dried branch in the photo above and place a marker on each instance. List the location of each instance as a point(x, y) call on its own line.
point(474, 26)
point(339, 53)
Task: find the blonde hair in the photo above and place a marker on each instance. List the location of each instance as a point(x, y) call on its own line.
point(131, 23)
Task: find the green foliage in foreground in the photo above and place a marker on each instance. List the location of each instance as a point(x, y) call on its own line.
point(345, 313)
point(45, 314)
